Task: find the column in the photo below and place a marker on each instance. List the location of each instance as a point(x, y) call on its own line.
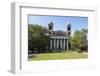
point(54, 43)
point(64, 45)
point(57, 43)
point(60, 43)
point(67, 45)
point(51, 44)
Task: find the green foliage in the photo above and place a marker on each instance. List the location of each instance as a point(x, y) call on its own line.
point(79, 40)
point(37, 38)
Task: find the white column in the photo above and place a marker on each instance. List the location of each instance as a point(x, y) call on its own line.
point(64, 45)
point(67, 45)
point(57, 43)
point(51, 44)
point(54, 43)
point(60, 43)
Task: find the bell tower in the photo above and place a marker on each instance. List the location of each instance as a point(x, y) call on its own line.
point(68, 29)
point(50, 27)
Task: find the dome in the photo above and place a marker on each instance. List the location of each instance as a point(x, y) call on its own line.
point(68, 24)
point(50, 24)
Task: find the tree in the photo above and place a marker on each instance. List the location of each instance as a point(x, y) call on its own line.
point(37, 38)
point(79, 40)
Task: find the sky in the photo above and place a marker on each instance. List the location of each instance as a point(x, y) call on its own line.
point(77, 23)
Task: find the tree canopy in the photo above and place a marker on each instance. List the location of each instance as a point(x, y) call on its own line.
point(79, 40)
point(37, 38)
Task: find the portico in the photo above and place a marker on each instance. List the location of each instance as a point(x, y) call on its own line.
point(59, 43)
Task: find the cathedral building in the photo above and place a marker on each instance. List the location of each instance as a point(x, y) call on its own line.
point(59, 40)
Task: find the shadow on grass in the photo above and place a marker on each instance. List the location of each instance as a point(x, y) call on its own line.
point(32, 56)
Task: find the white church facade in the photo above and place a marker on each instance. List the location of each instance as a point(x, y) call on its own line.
point(59, 40)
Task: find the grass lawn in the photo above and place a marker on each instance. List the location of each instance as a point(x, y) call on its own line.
point(56, 56)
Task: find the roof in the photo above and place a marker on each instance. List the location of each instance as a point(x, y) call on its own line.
point(59, 33)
